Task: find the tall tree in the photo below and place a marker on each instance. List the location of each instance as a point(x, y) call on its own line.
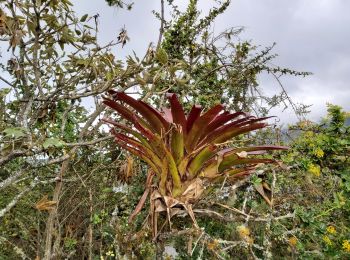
point(56, 162)
point(55, 64)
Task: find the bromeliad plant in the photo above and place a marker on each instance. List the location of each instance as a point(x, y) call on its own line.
point(184, 152)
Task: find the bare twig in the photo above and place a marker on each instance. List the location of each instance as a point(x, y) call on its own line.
point(232, 209)
point(161, 29)
point(6, 81)
point(7, 182)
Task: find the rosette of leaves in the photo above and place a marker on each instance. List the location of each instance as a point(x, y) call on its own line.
point(185, 152)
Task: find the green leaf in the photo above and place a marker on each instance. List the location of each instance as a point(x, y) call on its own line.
point(15, 132)
point(162, 56)
point(31, 26)
point(256, 180)
point(177, 144)
point(199, 160)
point(109, 76)
point(107, 190)
point(83, 18)
point(82, 62)
point(4, 92)
point(96, 219)
point(53, 142)
point(61, 44)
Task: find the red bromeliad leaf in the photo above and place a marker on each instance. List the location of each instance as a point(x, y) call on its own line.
point(123, 111)
point(138, 154)
point(182, 150)
point(139, 205)
point(250, 149)
point(221, 120)
point(136, 134)
point(158, 114)
point(167, 114)
point(235, 157)
point(215, 168)
point(142, 201)
point(137, 145)
point(233, 173)
point(138, 122)
point(238, 161)
point(155, 120)
point(145, 131)
point(177, 111)
point(200, 124)
point(219, 124)
point(112, 92)
point(233, 125)
point(253, 120)
point(223, 135)
point(177, 143)
point(193, 116)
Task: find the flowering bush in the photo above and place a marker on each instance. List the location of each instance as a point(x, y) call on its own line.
point(320, 163)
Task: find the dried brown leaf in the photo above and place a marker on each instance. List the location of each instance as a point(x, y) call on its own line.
point(2, 23)
point(45, 204)
point(260, 188)
point(242, 154)
point(193, 191)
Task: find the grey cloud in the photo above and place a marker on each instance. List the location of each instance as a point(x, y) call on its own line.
point(311, 35)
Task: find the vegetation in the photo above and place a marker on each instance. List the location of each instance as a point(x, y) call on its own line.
point(322, 206)
point(68, 190)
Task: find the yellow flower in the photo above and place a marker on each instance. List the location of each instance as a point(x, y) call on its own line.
point(213, 245)
point(314, 169)
point(309, 134)
point(327, 240)
point(292, 241)
point(341, 198)
point(110, 253)
point(244, 233)
point(346, 245)
point(305, 124)
point(318, 152)
point(331, 230)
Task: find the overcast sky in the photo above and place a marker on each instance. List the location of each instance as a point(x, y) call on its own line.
point(311, 35)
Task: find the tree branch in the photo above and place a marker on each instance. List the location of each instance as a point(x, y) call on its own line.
point(161, 29)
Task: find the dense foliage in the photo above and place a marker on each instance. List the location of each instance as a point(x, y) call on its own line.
point(320, 163)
